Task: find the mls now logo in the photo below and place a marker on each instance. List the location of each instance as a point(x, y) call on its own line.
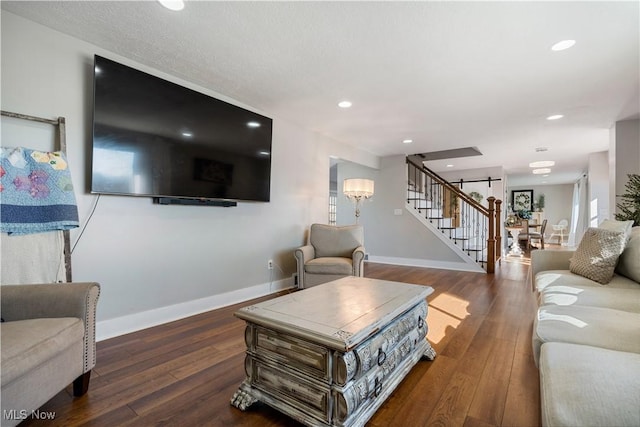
point(23, 414)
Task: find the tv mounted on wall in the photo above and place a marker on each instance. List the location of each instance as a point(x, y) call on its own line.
point(158, 139)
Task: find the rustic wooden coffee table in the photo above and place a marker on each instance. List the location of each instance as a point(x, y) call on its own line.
point(330, 355)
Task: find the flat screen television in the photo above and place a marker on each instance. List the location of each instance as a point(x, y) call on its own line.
point(158, 139)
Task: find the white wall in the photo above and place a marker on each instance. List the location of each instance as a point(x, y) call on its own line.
point(156, 262)
point(402, 237)
point(392, 233)
point(496, 189)
point(558, 199)
point(624, 157)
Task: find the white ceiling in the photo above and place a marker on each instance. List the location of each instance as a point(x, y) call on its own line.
point(445, 74)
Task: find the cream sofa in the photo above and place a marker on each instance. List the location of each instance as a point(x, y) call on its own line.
point(47, 342)
point(586, 340)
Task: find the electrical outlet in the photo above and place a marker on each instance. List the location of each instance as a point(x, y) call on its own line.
point(270, 264)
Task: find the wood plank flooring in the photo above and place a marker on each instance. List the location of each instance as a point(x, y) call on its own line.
point(184, 373)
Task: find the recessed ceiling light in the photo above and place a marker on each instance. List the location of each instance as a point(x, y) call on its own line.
point(562, 45)
point(264, 153)
point(407, 141)
point(449, 166)
point(344, 104)
point(253, 124)
point(555, 117)
point(541, 171)
point(542, 164)
point(187, 134)
point(174, 5)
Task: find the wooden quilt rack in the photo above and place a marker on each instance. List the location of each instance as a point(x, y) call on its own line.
point(60, 125)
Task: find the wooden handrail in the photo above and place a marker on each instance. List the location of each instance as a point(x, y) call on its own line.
point(451, 187)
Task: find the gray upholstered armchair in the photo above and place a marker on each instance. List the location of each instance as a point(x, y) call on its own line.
point(48, 342)
point(332, 252)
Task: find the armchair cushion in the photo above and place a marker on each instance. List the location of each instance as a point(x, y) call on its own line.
point(330, 265)
point(332, 241)
point(55, 300)
point(27, 344)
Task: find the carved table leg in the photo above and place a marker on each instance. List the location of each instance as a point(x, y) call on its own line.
point(429, 352)
point(244, 397)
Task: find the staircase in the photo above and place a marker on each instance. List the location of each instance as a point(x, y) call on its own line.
point(470, 226)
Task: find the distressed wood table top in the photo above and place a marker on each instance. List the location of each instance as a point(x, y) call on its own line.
point(339, 314)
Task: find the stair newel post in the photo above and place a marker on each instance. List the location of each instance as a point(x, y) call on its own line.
point(498, 229)
point(491, 241)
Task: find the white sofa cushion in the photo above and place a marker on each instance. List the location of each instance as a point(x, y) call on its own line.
point(598, 253)
point(596, 326)
point(548, 278)
point(589, 386)
point(592, 296)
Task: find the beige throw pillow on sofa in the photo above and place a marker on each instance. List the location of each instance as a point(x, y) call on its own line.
point(597, 254)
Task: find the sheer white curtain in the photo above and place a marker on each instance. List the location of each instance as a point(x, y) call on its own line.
point(580, 211)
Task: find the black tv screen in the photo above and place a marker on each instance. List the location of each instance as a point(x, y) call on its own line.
point(155, 138)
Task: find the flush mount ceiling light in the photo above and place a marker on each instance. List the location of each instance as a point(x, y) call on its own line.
point(174, 5)
point(555, 117)
point(562, 45)
point(407, 141)
point(344, 104)
point(253, 124)
point(541, 171)
point(542, 164)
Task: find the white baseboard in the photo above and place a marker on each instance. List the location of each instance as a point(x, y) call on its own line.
point(110, 328)
point(414, 262)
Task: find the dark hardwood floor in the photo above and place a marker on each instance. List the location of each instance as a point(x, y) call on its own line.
point(184, 373)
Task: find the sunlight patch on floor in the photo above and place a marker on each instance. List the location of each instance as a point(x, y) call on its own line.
point(445, 311)
point(518, 260)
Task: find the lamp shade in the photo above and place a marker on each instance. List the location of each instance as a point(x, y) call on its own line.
point(358, 188)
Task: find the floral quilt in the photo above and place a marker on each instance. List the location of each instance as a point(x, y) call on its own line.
point(36, 193)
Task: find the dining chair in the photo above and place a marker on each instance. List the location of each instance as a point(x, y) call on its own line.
point(539, 235)
point(524, 233)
